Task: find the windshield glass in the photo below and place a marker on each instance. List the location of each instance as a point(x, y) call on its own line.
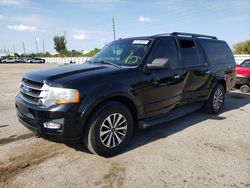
point(123, 52)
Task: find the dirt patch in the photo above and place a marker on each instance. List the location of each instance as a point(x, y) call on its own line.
point(5, 125)
point(114, 177)
point(216, 146)
point(15, 138)
point(38, 153)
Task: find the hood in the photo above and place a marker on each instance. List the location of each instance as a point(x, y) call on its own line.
point(57, 73)
point(245, 71)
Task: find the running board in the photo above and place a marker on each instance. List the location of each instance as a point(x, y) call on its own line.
point(169, 116)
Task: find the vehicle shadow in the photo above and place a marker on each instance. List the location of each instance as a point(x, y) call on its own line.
point(234, 101)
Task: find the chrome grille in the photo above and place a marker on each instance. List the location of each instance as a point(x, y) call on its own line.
point(30, 90)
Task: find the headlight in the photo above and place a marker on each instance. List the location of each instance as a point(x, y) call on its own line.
point(54, 95)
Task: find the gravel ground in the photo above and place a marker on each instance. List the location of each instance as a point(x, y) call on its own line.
point(198, 150)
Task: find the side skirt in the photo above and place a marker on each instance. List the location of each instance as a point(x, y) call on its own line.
point(169, 116)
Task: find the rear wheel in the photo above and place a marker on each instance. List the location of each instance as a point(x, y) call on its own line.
point(109, 129)
point(216, 100)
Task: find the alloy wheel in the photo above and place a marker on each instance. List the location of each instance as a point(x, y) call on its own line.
point(113, 130)
point(218, 99)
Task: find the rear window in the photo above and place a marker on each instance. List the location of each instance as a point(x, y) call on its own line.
point(217, 52)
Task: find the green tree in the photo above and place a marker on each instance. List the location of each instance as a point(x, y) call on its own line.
point(242, 47)
point(74, 53)
point(60, 45)
point(16, 55)
point(92, 52)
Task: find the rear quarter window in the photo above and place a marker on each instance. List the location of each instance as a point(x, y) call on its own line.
point(217, 52)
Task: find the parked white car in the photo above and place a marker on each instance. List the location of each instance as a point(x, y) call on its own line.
point(36, 60)
point(9, 60)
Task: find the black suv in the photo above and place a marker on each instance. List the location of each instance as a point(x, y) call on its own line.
point(142, 81)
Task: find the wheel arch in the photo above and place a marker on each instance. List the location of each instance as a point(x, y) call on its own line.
point(125, 100)
point(223, 83)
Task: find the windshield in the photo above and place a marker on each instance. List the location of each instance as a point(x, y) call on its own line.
point(123, 52)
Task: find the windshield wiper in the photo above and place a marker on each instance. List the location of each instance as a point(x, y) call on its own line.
point(107, 63)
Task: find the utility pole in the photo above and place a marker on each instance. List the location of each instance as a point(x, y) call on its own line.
point(23, 48)
point(14, 47)
point(43, 46)
point(113, 20)
point(36, 45)
point(65, 40)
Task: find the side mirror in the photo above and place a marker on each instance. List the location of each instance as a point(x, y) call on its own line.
point(159, 63)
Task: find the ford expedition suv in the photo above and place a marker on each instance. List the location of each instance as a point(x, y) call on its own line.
point(133, 82)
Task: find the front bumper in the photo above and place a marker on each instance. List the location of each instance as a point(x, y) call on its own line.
point(33, 117)
point(240, 80)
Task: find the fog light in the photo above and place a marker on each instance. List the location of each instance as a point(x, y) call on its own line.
point(52, 125)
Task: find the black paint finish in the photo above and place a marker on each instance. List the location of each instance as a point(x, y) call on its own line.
point(147, 93)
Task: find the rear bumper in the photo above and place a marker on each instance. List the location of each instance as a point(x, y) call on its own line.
point(33, 117)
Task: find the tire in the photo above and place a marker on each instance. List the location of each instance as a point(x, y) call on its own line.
point(101, 137)
point(244, 89)
point(216, 100)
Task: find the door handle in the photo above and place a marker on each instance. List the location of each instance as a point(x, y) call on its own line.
point(177, 76)
point(159, 84)
point(208, 72)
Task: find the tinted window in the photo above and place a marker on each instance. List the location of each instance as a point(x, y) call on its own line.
point(165, 49)
point(189, 53)
point(245, 63)
point(217, 52)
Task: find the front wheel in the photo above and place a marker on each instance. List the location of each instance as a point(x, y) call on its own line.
point(216, 100)
point(244, 89)
point(109, 129)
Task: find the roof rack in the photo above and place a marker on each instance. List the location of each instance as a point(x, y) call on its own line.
point(192, 35)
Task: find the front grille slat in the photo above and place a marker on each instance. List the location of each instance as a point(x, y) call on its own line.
point(30, 91)
point(36, 87)
point(31, 94)
point(27, 99)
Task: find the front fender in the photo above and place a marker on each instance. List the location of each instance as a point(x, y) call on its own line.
point(105, 92)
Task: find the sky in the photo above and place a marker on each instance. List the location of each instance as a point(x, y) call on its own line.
point(88, 23)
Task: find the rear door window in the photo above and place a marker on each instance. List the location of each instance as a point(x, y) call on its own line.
point(189, 52)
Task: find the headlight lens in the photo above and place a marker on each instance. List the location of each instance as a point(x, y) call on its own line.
point(56, 95)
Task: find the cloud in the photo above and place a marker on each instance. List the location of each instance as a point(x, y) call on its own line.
point(24, 28)
point(79, 36)
point(97, 4)
point(1, 17)
point(13, 2)
point(146, 19)
point(40, 21)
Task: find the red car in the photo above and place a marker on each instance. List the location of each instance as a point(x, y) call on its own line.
point(243, 75)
